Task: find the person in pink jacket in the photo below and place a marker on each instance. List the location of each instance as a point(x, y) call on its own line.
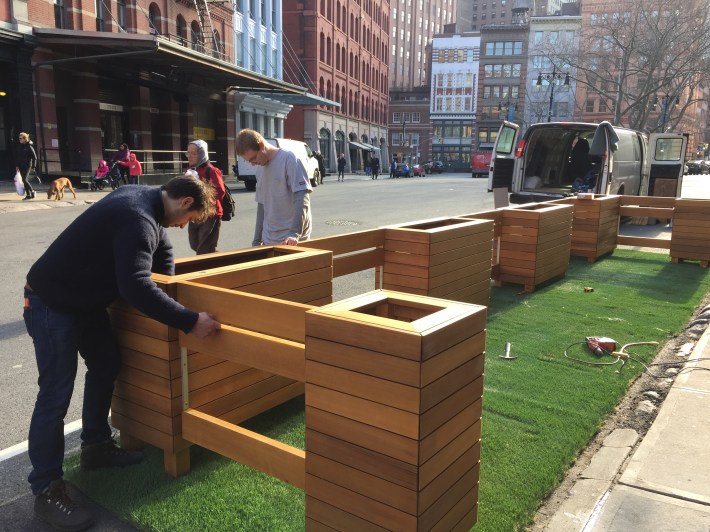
point(134, 169)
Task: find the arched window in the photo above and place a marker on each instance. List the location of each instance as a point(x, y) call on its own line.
point(321, 88)
point(339, 142)
point(154, 19)
point(351, 64)
point(343, 59)
point(337, 56)
point(196, 37)
point(322, 7)
point(322, 46)
point(337, 14)
point(352, 26)
point(181, 30)
point(329, 51)
point(344, 27)
point(218, 48)
point(350, 103)
point(330, 10)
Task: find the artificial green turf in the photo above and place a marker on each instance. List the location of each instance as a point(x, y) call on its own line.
point(539, 410)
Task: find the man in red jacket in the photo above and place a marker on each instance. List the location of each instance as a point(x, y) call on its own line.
point(204, 236)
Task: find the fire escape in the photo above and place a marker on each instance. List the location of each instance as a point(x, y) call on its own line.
point(211, 43)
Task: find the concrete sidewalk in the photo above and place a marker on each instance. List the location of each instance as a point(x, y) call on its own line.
point(661, 484)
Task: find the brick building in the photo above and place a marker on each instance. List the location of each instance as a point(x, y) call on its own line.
point(340, 51)
point(153, 74)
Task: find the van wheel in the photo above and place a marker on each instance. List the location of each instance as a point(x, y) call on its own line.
point(250, 185)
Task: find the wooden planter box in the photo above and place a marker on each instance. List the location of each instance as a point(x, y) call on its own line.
point(147, 402)
point(393, 413)
point(535, 244)
point(448, 258)
point(595, 226)
point(690, 239)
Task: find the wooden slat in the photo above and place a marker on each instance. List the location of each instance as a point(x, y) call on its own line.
point(349, 242)
point(648, 201)
point(262, 404)
point(347, 264)
point(322, 514)
point(275, 355)
point(261, 314)
point(359, 505)
point(363, 435)
point(660, 243)
point(254, 450)
point(650, 212)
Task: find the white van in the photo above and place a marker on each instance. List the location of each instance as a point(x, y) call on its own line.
point(558, 159)
point(247, 172)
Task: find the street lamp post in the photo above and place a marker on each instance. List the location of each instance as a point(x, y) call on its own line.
point(404, 123)
point(552, 77)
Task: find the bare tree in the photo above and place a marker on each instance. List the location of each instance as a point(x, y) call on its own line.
point(642, 57)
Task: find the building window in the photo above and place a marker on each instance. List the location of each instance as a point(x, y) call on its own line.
point(196, 36)
point(396, 118)
point(181, 30)
point(154, 18)
point(121, 13)
point(396, 139)
point(100, 22)
point(406, 118)
point(59, 14)
point(416, 118)
point(589, 107)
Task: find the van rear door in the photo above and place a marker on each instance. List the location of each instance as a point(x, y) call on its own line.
point(500, 174)
point(666, 157)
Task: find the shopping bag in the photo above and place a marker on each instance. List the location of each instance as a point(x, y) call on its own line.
point(19, 186)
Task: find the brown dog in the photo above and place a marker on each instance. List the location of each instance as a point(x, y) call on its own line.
point(57, 187)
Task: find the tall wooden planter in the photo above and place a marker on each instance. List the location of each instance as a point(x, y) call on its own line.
point(535, 244)
point(690, 239)
point(595, 226)
point(448, 258)
point(147, 402)
point(393, 413)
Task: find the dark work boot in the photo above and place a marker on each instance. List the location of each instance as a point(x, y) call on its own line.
point(56, 508)
point(107, 454)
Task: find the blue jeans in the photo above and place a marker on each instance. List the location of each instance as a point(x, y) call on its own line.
point(58, 337)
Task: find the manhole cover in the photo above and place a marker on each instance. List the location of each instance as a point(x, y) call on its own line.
point(341, 222)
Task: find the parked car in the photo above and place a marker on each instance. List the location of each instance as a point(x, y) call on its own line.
point(418, 170)
point(402, 170)
point(435, 166)
point(699, 166)
point(554, 160)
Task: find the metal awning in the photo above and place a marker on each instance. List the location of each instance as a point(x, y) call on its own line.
point(155, 60)
point(363, 146)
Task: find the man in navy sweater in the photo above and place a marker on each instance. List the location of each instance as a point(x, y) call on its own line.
point(108, 252)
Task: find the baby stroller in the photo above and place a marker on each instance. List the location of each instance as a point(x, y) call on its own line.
point(100, 179)
point(114, 175)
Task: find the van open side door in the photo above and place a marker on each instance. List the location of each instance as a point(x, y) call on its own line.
point(500, 174)
point(666, 158)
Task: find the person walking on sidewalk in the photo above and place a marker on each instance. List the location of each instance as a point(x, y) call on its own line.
point(204, 236)
point(375, 165)
point(393, 168)
point(283, 191)
point(114, 245)
point(341, 167)
point(25, 162)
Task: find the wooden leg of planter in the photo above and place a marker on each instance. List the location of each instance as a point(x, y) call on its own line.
point(497, 283)
point(528, 288)
point(704, 263)
point(676, 260)
point(130, 442)
point(177, 464)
